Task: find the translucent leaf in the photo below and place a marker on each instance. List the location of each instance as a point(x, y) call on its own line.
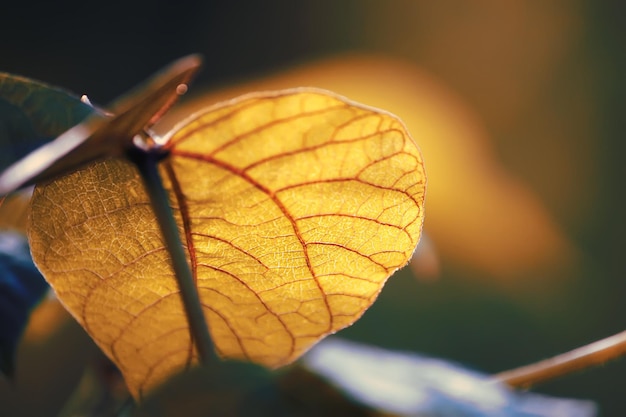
point(295, 207)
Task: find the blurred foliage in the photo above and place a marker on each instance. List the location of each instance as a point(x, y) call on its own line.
point(21, 288)
point(543, 82)
point(50, 362)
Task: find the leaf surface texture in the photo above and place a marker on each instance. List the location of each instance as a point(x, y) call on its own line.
point(294, 207)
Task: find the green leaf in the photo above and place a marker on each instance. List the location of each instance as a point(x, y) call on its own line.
point(21, 288)
point(33, 113)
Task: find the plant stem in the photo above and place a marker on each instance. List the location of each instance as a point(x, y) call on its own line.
point(593, 354)
point(146, 162)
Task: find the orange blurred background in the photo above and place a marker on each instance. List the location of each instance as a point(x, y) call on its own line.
point(515, 104)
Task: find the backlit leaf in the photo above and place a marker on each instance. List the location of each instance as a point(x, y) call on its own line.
point(294, 206)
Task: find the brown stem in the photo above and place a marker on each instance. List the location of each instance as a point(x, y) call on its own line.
point(593, 354)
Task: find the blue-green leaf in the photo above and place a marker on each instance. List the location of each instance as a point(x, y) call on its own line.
point(33, 113)
point(21, 288)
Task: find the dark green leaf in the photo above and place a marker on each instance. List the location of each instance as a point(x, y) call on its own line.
point(21, 288)
point(33, 113)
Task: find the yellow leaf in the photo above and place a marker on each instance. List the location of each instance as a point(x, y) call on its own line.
point(294, 206)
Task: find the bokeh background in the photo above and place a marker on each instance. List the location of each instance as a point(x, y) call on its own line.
point(518, 107)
